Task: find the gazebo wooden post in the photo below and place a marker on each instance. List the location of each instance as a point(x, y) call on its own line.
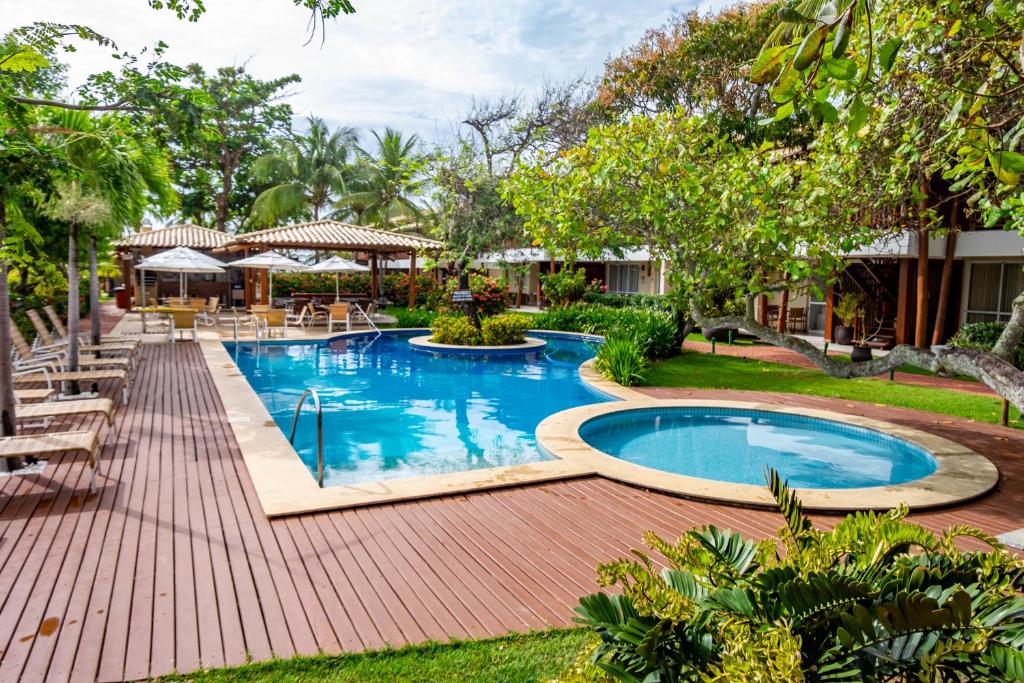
point(265, 286)
point(412, 279)
point(374, 278)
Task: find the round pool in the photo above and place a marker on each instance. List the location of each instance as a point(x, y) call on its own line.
point(738, 445)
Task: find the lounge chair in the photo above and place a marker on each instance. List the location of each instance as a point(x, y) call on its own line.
point(210, 314)
point(48, 342)
point(23, 396)
point(107, 344)
point(44, 374)
point(43, 445)
point(56, 357)
point(338, 314)
point(48, 410)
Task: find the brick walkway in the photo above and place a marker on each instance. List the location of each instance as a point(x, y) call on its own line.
point(774, 354)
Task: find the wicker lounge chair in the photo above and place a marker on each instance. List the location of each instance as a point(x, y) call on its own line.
point(45, 375)
point(107, 344)
point(42, 445)
point(184, 321)
point(51, 409)
point(56, 357)
point(23, 396)
point(46, 341)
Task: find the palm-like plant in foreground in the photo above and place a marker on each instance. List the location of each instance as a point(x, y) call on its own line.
point(876, 598)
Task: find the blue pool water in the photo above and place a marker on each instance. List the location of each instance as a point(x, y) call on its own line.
point(390, 411)
point(738, 445)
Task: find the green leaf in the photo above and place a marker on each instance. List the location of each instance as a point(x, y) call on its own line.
point(25, 59)
point(828, 12)
point(810, 49)
point(768, 64)
point(789, 505)
point(791, 16)
point(842, 37)
point(859, 113)
point(1012, 161)
point(1004, 173)
point(887, 53)
point(841, 69)
point(827, 112)
point(787, 85)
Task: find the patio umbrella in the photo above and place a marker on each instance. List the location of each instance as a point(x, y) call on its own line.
point(338, 265)
point(272, 262)
point(180, 260)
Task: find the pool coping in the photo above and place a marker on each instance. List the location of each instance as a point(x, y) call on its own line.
point(424, 343)
point(283, 484)
point(962, 474)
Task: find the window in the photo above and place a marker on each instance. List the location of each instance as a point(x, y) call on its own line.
point(991, 289)
point(623, 278)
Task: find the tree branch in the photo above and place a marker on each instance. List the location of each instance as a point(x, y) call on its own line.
point(32, 101)
point(988, 368)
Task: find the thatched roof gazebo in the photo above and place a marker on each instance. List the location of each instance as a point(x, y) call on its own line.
point(328, 235)
point(151, 241)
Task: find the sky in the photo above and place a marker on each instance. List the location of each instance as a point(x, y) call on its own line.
point(414, 65)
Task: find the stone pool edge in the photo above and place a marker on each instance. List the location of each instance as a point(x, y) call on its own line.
point(283, 484)
point(962, 474)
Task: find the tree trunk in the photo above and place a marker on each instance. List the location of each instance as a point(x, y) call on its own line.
point(938, 332)
point(921, 322)
point(94, 294)
point(74, 314)
point(7, 422)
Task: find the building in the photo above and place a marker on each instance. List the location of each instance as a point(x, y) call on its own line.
point(632, 272)
point(970, 276)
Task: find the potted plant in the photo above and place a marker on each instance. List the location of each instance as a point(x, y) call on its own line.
point(849, 309)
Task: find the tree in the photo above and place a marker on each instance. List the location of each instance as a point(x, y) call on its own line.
point(213, 164)
point(308, 174)
point(387, 182)
point(733, 222)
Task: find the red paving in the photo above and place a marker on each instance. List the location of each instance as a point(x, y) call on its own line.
point(173, 566)
point(775, 354)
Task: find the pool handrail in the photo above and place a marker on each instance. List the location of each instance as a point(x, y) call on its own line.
point(319, 431)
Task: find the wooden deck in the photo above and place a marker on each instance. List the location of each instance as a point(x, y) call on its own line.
point(172, 566)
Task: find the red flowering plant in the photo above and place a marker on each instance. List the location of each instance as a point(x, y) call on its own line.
point(489, 295)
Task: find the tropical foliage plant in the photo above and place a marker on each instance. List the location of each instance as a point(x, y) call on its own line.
point(876, 598)
point(504, 330)
point(621, 359)
point(455, 329)
point(656, 332)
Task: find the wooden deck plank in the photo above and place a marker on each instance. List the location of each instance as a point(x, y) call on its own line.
point(172, 564)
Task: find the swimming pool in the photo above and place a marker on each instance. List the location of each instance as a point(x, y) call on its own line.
point(391, 412)
point(738, 445)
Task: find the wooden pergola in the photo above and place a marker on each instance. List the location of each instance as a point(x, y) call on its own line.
point(328, 235)
point(150, 241)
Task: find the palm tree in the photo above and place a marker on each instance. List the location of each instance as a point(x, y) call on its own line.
point(386, 182)
point(308, 173)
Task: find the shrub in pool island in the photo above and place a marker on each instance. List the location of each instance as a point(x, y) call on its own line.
point(418, 317)
point(876, 598)
point(621, 359)
point(454, 329)
point(504, 330)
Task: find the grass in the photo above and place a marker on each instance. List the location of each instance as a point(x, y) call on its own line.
point(531, 657)
point(704, 371)
point(738, 340)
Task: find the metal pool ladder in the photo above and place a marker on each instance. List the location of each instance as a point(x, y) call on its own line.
point(319, 432)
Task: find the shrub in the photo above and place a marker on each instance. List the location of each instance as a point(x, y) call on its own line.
point(656, 331)
point(982, 337)
point(454, 329)
point(875, 598)
point(658, 302)
point(621, 359)
point(286, 284)
point(565, 286)
point(418, 317)
point(505, 330)
point(396, 288)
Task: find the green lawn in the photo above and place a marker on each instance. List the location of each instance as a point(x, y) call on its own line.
point(737, 341)
point(532, 657)
point(704, 371)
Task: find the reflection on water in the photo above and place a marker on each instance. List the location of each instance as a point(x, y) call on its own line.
point(393, 412)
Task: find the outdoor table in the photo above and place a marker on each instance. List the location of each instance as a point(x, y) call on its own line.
point(143, 310)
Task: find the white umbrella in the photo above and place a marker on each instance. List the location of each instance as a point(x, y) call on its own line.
point(272, 262)
point(337, 265)
point(179, 260)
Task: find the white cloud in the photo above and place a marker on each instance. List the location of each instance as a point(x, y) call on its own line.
point(409, 64)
